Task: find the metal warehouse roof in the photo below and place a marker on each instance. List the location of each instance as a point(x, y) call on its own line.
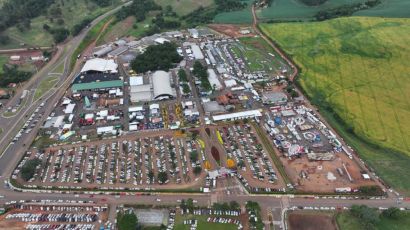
point(100, 65)
point(238, 115)
point(97, 85)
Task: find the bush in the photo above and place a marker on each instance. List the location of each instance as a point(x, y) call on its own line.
point(127, 221)
point(29, 168)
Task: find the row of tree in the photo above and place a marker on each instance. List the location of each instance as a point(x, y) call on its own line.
point(201, 72)
point(345, 10)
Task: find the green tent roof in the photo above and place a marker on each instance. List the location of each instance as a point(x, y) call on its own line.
point(97, 85)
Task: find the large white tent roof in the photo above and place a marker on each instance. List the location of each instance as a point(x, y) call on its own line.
point(100, 65)
point(162, 84)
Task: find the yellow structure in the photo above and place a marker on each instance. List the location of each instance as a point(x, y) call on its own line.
point(230, 163)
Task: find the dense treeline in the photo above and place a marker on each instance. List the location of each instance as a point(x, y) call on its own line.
point(14, 12)
point(102, 3)
point(80, 26)
point(12, 75)
point(313, 2)
point(229, 5)
point(345, 10)
point(157, 57)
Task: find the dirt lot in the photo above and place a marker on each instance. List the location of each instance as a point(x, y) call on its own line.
point(317, 171)
point(231, 30)
point(302, 220)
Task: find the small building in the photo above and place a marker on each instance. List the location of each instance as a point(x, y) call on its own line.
point(103, 51)
point(274, 98)
point(161, 40)
point(15, 58)
point(197, 52)
point(213, 80)
point(117, 52)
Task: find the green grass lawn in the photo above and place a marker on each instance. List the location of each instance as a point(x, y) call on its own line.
point(295, 10)
point(183, 7)
point(44, 86)
point(346, 221)
point(357, 65)
point(202, 224)
point(3, 60)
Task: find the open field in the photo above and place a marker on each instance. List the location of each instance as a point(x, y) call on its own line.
point(36, 36)
point(356, 67)
point(295, 10)
point(346, 221)
point(236, 17)
point(183, 7)
point(314, 220)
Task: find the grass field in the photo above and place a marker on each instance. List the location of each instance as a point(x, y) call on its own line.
point(3, 60)
point(202, 224)
point(346, 221)
point(236, 17)
point(72, 13)
point(44, 86)
point(183, 7)
point(358, 66)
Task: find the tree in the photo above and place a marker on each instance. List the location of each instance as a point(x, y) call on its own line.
point(194, 156)
point(190, 204)
point(162, 177)
point(368, 216)
point(29, 168)
point(182, 75)
point(185, 88)
point(4, 39)
point(197, 170)
point(46, 27)
point(234, 205)
point(127, 221)
point(392, 212)
point(201, 72)
point(151, 175)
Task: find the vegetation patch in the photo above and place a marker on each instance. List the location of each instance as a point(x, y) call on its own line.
point(157, 57)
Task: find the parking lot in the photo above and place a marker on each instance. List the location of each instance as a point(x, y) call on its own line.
point(56, 216)
point(255, 167)
point(148, 161)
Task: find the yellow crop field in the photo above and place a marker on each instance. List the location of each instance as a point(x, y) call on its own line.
point(360, 67)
